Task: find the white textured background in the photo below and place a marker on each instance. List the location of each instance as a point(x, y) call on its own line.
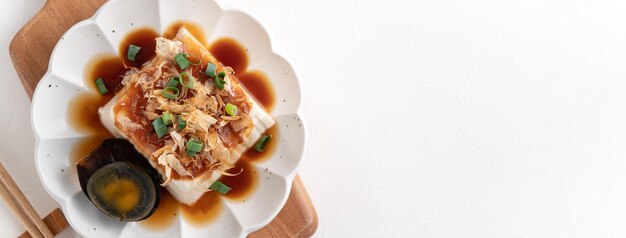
point(441, 118)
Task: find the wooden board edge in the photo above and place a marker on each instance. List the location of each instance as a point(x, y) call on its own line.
point(310, 228)
point(20, 36)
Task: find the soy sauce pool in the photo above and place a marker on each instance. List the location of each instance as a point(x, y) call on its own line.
point(259, 86)
point(83, 116)
point(243, 184)
point(205, 210)
point(233, 54)
point(83, 109)
point(194, 29)
point(255, 156)
point(230, 53)
point(111, 69)
point(165, 214)
point(144, 38)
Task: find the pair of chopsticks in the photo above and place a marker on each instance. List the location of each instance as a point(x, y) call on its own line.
point(21, 207)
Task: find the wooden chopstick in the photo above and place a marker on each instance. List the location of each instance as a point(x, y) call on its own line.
point(21, 216)
point(17, 201)
point(55, 220)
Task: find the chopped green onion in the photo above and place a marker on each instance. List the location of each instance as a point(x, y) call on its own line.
point(210, 70)
point(184, 76)
point(219, 84)
point(159, 127)
point(181, 123)
point(132, 52)
point(219, 80)
point(259, 146)
point(194, 145)
point(231, 109)
point(167, 118)
point(181, 60)
point(170, 92)
point(102, 88)
point(173, 82)
point(220, 187)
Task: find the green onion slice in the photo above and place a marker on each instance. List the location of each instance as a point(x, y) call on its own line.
point(219, 80)
point(181, 123)
point(259, 146)
point(220, 187)
point(173, 82)
point(219, 84)
point(170, 92)
point(167, 118)
point(194, 145)
point(211, 70)
point(132, 52)
point(191, 153)
point(181, 60)
point(159, 127)
point(186, 80)
point(102, 88)
point(231, 109)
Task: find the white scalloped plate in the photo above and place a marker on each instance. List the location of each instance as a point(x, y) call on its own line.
point(101, 34)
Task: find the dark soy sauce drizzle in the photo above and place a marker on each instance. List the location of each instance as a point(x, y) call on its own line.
point(259, 86)
point(254, 156)
point(243, 184)
point(144, 38)
point(195, 30)
point(204, 211)
point(83, 109)
point(111, 69)
point(231, 53)
point(165, 215)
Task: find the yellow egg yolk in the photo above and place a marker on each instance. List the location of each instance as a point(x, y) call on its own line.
point(122, 194)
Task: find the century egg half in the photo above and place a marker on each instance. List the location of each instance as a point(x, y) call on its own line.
point(119, 181)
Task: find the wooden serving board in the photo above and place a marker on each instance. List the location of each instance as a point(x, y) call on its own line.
point(30, 51)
